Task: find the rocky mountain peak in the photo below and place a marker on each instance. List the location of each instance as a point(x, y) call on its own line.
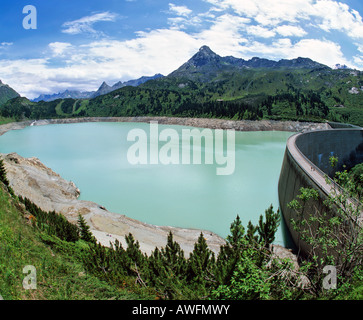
point(204, 56)
point(104, 85)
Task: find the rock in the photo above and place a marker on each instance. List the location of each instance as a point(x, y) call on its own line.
point(354, 90)
point(280, 253)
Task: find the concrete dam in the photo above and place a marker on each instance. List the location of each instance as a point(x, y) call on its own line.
point(306, 164)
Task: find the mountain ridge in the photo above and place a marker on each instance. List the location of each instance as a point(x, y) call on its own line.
point(103, 89)
point(211, 86)
point(207, 61)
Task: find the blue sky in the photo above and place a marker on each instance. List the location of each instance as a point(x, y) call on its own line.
point(78, 44)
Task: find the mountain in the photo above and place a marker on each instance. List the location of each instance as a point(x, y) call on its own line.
point(252, 80)
point(64, 95)
point(103, 89)
point(340, 66)
point(206, 64)
point(6, 93)
point(208, 85)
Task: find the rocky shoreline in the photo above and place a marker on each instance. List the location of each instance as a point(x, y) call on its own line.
point(31, 179)
point(48, 190)
point(238, 125)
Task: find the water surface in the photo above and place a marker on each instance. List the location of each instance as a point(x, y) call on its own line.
point(94, 157)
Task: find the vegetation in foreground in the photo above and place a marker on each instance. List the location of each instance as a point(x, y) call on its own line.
point(71, 265)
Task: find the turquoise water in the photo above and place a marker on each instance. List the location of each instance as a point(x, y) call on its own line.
point(94, 157)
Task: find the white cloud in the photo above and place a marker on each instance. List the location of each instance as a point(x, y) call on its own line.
point(360, 47)
point(85, 24)
point(179, 10)
point(325, 14)
point(326, 52)
point(358, 59)
point(181, 23)
point(59, 48)
point(235, 33)
point(323, 51)
point(224, 36)
point(157, 51)
point(268, 12)
point(259, 31)
point(186, 18)
point(290, 31)
point(338, 16)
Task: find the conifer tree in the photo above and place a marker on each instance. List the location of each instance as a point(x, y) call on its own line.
point(84, 230)
point(267, 230)
point(134, 254)
point(119, 258)
point(234, 240)
point(251, 233)
point(201, 265)
point(155, 265)
point(173, 256)
point(4, 179)
point(230, 253)
point(166, 271)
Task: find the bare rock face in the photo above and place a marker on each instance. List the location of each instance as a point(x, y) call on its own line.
point(48, 190)
point(33, 180)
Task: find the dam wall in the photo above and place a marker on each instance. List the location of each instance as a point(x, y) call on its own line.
point(306, 163)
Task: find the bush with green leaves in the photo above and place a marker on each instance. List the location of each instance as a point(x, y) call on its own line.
point(202, 275)
point(334, 234)
point(51, 222)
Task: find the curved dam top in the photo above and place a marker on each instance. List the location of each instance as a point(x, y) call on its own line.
point(319, 146)
point(306, 164)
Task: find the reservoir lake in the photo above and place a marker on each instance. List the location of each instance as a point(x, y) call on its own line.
point(94, 157)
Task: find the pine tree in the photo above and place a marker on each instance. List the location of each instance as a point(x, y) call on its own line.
point(84, 230)
point(173, 256)
point(155, 266)
point(250, 235)
point(267, 230)
point(136, 259)
point(234, 240)
point(201, 264)
point(4, 179)
point(230, 253)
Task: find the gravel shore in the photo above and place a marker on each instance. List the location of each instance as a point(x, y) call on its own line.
point(241, 125)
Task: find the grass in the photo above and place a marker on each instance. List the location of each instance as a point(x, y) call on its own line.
point(59, 271)
point(6, 120)
point(59, 110)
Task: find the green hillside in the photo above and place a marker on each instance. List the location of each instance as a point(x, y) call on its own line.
point(61, 274)
point(222, 87)
point(6, 93)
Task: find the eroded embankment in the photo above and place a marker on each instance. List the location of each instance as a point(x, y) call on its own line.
point(48, 190)
point(242, 125)
point(30, 178)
